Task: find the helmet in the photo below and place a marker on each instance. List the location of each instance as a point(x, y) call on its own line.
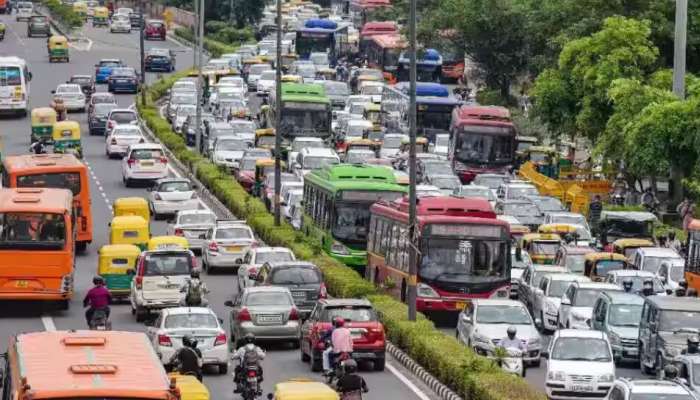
point(98, 280)
point(512, 331)
point(682, 283)
point(680, 291)
point(627, 283)
point(249, 338)
point(338, 322)
point(187, 340)
point(693, 340)
point(350, 366)
point(194, 273)
point(670, 372)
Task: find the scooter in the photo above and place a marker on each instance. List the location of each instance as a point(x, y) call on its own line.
point(512, 363)
point(99, 321)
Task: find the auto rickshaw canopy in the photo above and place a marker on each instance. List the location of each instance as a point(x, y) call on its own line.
point(132, 206)
point(597, 265)
point(66, 130)
point(58, 42)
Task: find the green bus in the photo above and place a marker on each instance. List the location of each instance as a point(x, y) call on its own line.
point(336, 207)
point(306, 111)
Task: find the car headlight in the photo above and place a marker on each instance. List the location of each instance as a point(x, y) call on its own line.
point(614, 338)
point(423, 290)
point(556, 375)
point(339, 248)
point(606, 378)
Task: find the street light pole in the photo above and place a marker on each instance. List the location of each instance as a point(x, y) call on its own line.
point(278, 116)
point(200, 89)
point(143, 62)
point(194, 32)
point(412, 251)
point(679, 48)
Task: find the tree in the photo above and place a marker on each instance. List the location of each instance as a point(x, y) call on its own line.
point(247, 12)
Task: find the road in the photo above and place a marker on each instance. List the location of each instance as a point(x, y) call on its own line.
point(281, 363)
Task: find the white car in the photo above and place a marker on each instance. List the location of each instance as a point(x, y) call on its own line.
point(72, 96)
point(170, 195)
point(285, 186)
point(484, 323)
point(301, 142)
point(391, 144)
point(357, 128)
point(121, 137)
point(191, 224)
point(228, 150)
point(266, 82)
point(478, 191)
point(427, 191)
point(223, 93)
point(637, 277)
point(254, 259)
point(181, 113)
point(373, 89)
point(291, 199)
point(225, 245)
point(200, 322)
point(144, 162)
point(120, 23)
point(580, 365)
point(356, 99)
point(359, 156)
point(236, 83)
point(254, 74)
point(313, 158)
point(671, 272)
point(576, 306)
point(25, 9)
point(547, 298)
point(634, 389)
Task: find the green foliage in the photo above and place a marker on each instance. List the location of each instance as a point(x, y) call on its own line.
point(64, 14)
point(247, 12)
point(214, 47)
point(493, 97)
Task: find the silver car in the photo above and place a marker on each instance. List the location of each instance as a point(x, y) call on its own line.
point(72, 96)
point(225, 245)
point(191, 224)
point(268, 312)
point(302, 278)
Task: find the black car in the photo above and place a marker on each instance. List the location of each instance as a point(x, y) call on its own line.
point(159, 60)
point(97, 118)
point(135, 19)
point(124, 80)
point(38, 25)
point(86, 82)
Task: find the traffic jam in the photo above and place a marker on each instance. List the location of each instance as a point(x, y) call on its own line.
point(524, 254)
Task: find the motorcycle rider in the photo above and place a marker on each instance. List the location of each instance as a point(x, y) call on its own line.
point(98, 298)
point(649, 200)
point(248, 354)
point(194, 290)
point(38, 147)
point(188, 358)
point(627, 285)
point(351, 385)
point(341, 342)
point(693, 344)
point(648, 288)
point(511, 340)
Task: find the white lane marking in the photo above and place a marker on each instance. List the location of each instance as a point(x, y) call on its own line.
point(419, 393)
point(48, 323)
point(99, 186)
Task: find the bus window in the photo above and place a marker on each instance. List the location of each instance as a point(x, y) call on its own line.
point(64, 180)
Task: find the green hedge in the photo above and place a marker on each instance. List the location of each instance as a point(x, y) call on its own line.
point(216, 49)
point(64, 14)
point(472, 376)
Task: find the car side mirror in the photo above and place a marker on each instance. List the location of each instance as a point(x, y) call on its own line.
point(565, 301)
point(544, 354)
point(130, 271)
point(228, 303)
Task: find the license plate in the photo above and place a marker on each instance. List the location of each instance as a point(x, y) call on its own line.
point(21, 284)
point(146, 163)
point(233, 248)
point(459, 305)
point(122, 81)
point(582, 388)
point(270, 319)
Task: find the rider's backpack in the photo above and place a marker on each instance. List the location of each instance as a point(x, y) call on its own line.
point(194, 292)
point(250, 357)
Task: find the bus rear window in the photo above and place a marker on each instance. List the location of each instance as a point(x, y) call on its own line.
point(64, 180)
point(32, 231)
point(10, 76)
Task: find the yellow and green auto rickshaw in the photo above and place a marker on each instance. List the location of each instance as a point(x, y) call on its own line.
point(168, 242)
point(113, 263)
point(100, 17)
point(58, 48)
point(265, 138)
point(129, 229)
point(422, 145)
point(304, 389)
point(3, 27)
point(597, 265)
point(66, 138)
point(132, 206)
point(629, 246)
point(81, 8)
point(43, 120)
point(190, 387)
point(542, 247)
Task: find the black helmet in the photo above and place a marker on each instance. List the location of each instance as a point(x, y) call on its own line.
point(249, 338)
point(194, 273)
point(627, 283)
point(98, 280)
point(683, 283)
point(670, 372)
point(187, 340)
point(512, 331)
point(350, 366)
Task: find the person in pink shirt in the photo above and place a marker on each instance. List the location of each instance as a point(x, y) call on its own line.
point(341, 342)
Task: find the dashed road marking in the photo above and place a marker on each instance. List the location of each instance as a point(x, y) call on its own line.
point(48, 323)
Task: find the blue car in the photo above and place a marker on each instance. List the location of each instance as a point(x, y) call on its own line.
point(104, 68)
point(123, 80)
point(159, 60)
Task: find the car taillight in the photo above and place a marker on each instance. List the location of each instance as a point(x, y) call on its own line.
point(213, 246)
point(139, 282)
point(220, 339)
point(179, 232)
point(163, 160)
point(294, 315)
point(114, 141)
point(323, 292)
point(131, 162)
point(164, 340)
point(243, 315)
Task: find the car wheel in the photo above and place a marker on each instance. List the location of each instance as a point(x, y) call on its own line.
point(223, 368)
point(63, 305)
point(379, 364)
point(140, 314)
point(304, 357)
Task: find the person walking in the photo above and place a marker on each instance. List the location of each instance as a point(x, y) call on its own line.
point(686, 210)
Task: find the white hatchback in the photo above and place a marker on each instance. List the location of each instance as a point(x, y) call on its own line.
point(121, 137)
point(72, 96)
point(170, 195)
point(144, 162)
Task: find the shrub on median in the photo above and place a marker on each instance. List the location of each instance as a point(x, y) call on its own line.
point(215, 48)
point(64, 14)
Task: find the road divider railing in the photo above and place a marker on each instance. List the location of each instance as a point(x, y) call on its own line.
point(469, 375)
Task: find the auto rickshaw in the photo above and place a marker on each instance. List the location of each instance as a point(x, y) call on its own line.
point(66, 138)
point(561, 229)
point(263, 166)
point(542, 247)
point(190, 387)
point(373, 114)
point(168, 242)
point(100, 17)
point(265, 138)
point(288, 60)
point(58, 49)
point(597, 265)
point(113, 263)
point(129, 229)
point(81, 9)
point(517, 232)
point(291, 79)
point(43, 120)
point(304, 389)
point(327, 74)
point(628, 247)
point(545, 159)
point(363, 144)
point(422, 145)
point(132, 206)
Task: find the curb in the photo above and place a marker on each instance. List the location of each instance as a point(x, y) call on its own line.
point(435, 385)
point(185, 42)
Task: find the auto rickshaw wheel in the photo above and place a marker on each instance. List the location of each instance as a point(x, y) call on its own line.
point(80, 246)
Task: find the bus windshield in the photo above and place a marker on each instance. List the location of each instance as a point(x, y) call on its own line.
point(485, 144)
point(62, 180)
point(434, 117)
point(308, 42)
point(32, 231)
point(391, 57)
point(463, 259)
point(304, 121)
point(352, 220)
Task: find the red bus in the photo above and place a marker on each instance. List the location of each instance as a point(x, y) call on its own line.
point(371, 29)
point(383, 53)
point(483, 141)
point(360, 10)
point(452, 56)
point(464, 251)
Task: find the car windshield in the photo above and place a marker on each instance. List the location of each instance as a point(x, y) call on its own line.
point(294, 276)
point(459, 260)
point(524, 209)
point(678, 321)
point(268, 299)
point(625, 314)
point(102, 109)
point(585, 297)
point(183, 99)
point(68, 89)
point(177, 186)
point(349, 313)
point(190, 321)
point(130, 131)
point(638, 283)
point(32, 231)
point(268, 76)
point(191, 219)
point(557, 288)
point(167, 263)
point(491, 182)
point(81, 79)
point(568, 219)
point(124, 72)
point(233, 233)
point(272, 256)
point(233, 145)
point(146, 154)
point(576, 263)
point(652, 264)
point(123, 117)
point(544, 247)
point(518, 192)
point(512, 315)
point(103, 98)
point(581, 349)
point(548, 204)
point(469, 191)
point(318, 162)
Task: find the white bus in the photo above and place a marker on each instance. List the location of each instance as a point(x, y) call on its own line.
point(14, 85)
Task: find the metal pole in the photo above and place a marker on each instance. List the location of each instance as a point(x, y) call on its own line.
point(195, 29)
point(278, 113)
point(679, 48)
point(412, 251)
point(143, 62)
point(198, 136)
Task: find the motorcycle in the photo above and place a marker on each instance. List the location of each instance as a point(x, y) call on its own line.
point(338, 369)
point(99, 321)
point(512, 362)
point(251, 384)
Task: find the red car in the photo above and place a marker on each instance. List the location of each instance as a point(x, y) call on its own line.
point(154, 29)
point(244, 173)
point(369, 343)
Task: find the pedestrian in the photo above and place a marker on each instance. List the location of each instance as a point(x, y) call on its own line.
point(594, 211)
point(686, 210)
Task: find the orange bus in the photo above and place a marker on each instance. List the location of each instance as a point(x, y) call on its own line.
point(85, 365)
point(383, 53)
point(62, 171)
point(36, 245)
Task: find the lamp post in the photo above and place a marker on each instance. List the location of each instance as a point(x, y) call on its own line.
point(200, 89)
point(679, 48)
point(278, 110)
point(412, 251)
point(142, 78)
